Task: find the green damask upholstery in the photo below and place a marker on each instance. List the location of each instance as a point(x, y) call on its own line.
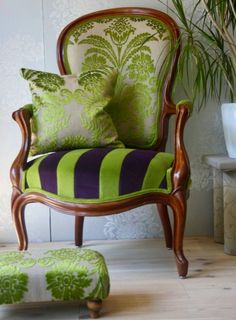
point(136, 50)
point(99, 175)
point(69, 111)
point(128, 57)
point(63, 274)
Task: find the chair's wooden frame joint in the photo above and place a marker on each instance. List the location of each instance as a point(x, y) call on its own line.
point(181, 167)
point(22, 117)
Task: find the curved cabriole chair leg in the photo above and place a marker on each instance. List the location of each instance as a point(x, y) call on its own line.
point(164, 216)
point(18, 215)
point(94, 307)
point(79, 225)
point(179, 212)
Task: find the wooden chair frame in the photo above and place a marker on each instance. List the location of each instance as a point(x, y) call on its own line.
point(180, 172)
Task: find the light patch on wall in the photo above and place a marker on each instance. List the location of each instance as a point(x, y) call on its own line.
point(209, 140)
point(138, 223)
point(64, 11)
point(5, 216)
point(16, 52)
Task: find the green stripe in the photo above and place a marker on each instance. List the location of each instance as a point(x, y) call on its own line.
point(99, 201)
point(156, 170)
point(110, 173)
point(65, 173)
point(32, 174)
point(23, 181)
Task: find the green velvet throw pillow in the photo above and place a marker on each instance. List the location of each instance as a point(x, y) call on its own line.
point(69, 111)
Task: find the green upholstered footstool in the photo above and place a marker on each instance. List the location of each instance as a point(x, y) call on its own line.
point(63, 274)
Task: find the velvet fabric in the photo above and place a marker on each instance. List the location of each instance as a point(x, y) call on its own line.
point(99, 175)
point(69, 112)
point(134, 51)
point(64, 274)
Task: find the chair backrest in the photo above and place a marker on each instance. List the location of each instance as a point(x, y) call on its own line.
point(131, 47)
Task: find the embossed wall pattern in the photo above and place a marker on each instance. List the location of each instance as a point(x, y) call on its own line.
point(31, 42)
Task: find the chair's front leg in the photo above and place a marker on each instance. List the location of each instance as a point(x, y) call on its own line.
point(18, 215)
point(22, 117)
point(179, 211)
point(180, 179)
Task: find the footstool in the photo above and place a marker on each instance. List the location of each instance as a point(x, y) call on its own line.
point(63, 274)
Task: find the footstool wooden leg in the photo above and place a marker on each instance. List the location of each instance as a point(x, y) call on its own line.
point(94, 307)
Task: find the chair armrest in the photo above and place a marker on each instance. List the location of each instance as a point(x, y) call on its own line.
point(22, 117)
point(181, 166)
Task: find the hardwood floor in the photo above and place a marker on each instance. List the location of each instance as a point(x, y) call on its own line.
point(145, 284)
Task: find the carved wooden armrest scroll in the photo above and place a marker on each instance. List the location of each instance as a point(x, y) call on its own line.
point(22, 117)
point(181, 167)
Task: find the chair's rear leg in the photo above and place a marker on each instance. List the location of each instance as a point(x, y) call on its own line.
point(164, 216)
point(79, 225)
point(18, 215)
point(179, 211)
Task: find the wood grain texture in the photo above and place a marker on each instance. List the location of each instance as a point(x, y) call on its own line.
point(144, 284)
point(94, 307)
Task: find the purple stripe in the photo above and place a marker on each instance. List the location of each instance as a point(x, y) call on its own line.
point(28, 165)
point(163, 184)
point(48, 171)
point(87, 172)
point(133, 170)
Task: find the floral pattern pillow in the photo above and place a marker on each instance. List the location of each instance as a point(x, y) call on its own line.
point(69, 111)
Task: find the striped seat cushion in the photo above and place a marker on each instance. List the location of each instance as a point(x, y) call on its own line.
point(99, 175)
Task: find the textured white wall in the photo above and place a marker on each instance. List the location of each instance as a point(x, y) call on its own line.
point(21, 42)
point(28, 34)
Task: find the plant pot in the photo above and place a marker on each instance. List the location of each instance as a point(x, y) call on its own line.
point(228, 111)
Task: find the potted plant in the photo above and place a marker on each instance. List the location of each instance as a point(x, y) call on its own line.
point(207, 64)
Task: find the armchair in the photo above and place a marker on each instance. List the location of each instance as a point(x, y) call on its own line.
point(136, 45)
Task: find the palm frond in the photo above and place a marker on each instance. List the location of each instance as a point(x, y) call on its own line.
point(207, 63)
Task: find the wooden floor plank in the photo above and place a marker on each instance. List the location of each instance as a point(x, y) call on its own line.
point(145, 285)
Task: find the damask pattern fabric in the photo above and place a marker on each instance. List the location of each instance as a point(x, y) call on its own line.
point(69, 111)
point(63, 274)
point(135, 50)
point(99, 175)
